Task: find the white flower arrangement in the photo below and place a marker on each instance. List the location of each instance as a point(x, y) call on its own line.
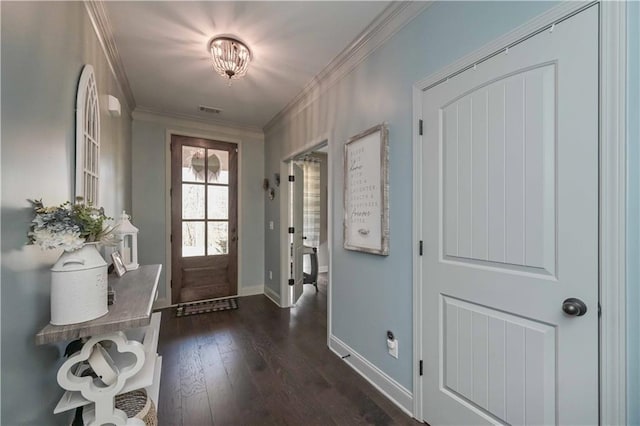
point(69, 226)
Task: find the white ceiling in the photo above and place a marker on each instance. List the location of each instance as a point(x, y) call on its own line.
point(163, 46)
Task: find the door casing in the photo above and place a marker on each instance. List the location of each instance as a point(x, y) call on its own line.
point(612, 203)
point(285, 202)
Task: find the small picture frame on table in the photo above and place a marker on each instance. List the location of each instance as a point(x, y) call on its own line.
point(118, 264)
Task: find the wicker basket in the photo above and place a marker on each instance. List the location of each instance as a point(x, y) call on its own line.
point(138, 405)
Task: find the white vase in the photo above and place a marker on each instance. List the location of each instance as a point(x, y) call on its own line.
point(78, 286)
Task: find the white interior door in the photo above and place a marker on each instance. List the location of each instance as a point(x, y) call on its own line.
point(510, 216)
point(296, 242)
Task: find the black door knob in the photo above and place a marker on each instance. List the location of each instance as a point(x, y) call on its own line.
point(574, 307)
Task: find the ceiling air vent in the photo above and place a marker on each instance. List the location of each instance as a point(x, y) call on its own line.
point(210, 110)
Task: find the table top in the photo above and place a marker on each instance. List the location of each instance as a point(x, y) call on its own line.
point(135, 294)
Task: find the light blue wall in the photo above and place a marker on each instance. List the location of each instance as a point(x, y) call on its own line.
point(372, 294)
point(149, 192)
point(44, 46)
point(273, 154)
point(633, 214)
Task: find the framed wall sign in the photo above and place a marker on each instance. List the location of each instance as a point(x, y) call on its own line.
point(366, 191)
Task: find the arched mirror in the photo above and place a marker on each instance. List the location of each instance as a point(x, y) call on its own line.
point(87, 138)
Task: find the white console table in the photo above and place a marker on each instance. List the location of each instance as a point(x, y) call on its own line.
point(133, 331)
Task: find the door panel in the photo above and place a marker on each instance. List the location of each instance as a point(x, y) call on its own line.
point(499, 362)
point(204, 219)
point(516, 202)
point(297, 243)
point(510, 213)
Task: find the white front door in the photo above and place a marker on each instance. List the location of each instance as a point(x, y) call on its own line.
point(296, 247)
point(510, 219)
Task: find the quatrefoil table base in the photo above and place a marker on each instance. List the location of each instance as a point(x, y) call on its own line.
point(90, 388)
point(130, 332)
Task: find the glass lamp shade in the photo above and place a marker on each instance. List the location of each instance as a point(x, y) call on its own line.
point(128, 247)
point(230, 57)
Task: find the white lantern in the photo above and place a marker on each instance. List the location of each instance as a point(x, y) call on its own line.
point(128, 248)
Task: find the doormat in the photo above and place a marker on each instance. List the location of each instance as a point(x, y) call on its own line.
point(194, 308)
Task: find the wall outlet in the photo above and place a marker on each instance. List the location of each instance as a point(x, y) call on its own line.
point(392, 346)
point(270, 275)
point(271, 225)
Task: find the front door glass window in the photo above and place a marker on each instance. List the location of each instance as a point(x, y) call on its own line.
point(205, 201)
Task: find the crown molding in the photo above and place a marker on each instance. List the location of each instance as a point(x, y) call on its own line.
point(195, 122)
point(102, 26)
point(393, 18)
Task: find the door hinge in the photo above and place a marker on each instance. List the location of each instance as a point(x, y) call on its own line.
point(292, 230)
point(421, 248)
point(599, 310)
point(171, 238)
point(420, 367)
point(420, 127)
point(170, 192)
point(292, 178)
point(292, 281)
point(170, 147)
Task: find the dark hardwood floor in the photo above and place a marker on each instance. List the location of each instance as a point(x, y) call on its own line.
point(263, 365)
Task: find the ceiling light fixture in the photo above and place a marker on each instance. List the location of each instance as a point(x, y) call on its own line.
point(230, 57)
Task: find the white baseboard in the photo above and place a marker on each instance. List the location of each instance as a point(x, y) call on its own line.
point(251, 291)
point(272, 295)
point(323, 269)
point(393, 390)
point(161, 303)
